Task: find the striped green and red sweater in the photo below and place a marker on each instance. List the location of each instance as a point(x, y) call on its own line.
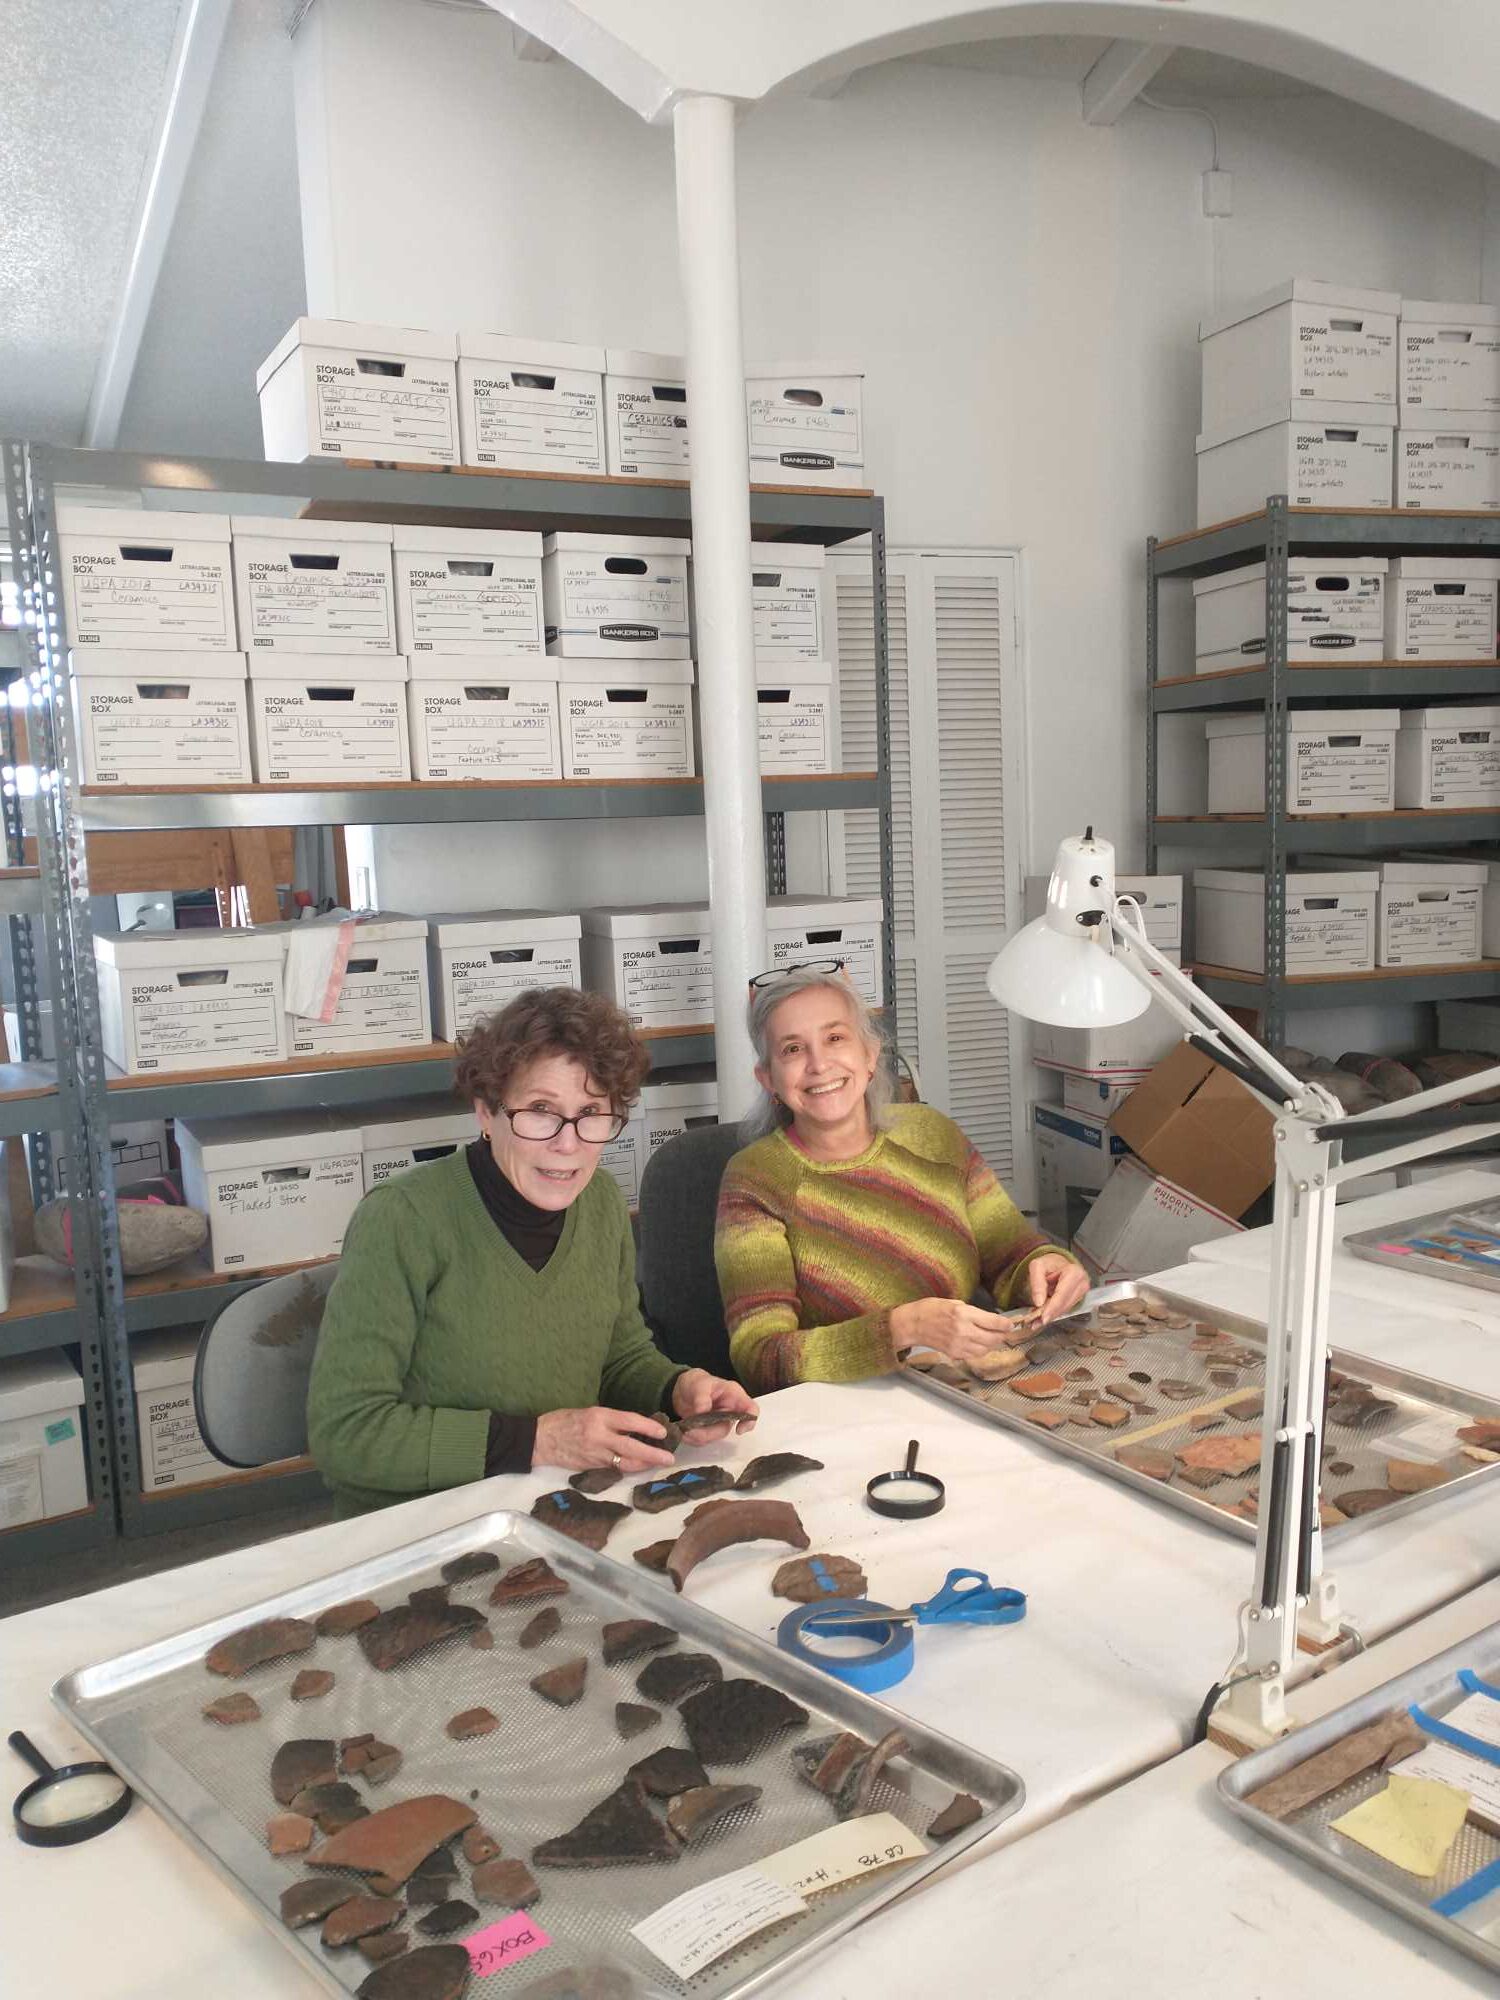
point(813, 1255)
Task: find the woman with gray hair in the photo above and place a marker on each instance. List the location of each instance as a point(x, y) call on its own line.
point(854, 1228)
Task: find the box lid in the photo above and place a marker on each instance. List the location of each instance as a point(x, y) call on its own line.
point(454, 928)
point(640, 361)
point(105, 663)
point(680, 1094)
point(416, 1121)
point(787, 555)
point(36, 1385)
point(616, 545)
point(1460, 568)
point(483, 669)
point(790, 673)
point(522, 350)
point(1333, 881)
point(1449, 312)
point(1335, 416)
point(647, 920)
point(164, 951)
point(296, 534)
point(394, 343)
point(1450, 423)
point(1226, 579)
point(1299, 722)
point(464, 543)
point(1443, 874)
point(803, 912)
point(803, 371)
point(164, 1360)
point(266, 1140)
point(611, 673)
point(142, 524)
point(309, 670)
point(1479, 716)
point(1306, 291)
point(375, 927)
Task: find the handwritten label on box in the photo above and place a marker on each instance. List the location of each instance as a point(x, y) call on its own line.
point(505, 1943)
point(840, 1853)
point(702, 1924)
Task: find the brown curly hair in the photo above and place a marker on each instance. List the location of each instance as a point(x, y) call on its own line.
point(552, 1021)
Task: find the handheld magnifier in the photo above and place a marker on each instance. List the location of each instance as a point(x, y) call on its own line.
point(66, 1803)
point(907, 1495)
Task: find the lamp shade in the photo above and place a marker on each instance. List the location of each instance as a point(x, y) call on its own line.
point(1066, 982)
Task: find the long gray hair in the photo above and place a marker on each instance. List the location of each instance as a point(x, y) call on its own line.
point(768, 1115)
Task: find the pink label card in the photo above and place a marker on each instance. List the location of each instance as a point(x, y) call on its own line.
point(505, 1943)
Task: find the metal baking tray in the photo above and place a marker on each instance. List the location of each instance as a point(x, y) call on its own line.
point(535, 1776)
point(1162, 1352)
point(1461, 1245)
point(1434, 1687)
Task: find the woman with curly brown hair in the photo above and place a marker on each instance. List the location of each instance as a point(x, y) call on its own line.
point(485, 1317)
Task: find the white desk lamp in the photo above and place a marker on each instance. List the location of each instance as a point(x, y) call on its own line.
point(1088, 963)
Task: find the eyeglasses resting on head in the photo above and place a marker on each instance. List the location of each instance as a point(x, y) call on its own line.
point(824, 966)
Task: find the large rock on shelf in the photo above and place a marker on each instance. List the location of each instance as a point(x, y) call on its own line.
point(153, 1234)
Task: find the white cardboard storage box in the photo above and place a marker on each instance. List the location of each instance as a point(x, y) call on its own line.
point(1338, 760)
point(410, 1132)
point(329, 721)
point(468, 590)
point(1318, 454)
point(645, 414)
point(476, 719)
point(176, 1000)
point(1334, 611)
point(1159, 898)
point(655, 961)
point(805, 423)
point(1330, 919)
point(663, 1111)
point(1129, 1050)
point(1448, 459)
point(276, 1190)
point(41, 1440)
point(173, 1453)
point(1450, 355)
point(626, 720)
point(530, 405)
point(313, 586)
point(480, 960)
point(1442, 607)
point(136, 580)
point(1490, 936)
point(795, 707)
point(1448, 757)
point(1075, 1152)
point(335, 388)
point(1140, 1223)
point(616, 597)
point(1431, 912)
point(161, 718)
point(786, 600)
point(1302, 341)
point(138, 1148)
point(799, 928)
point(382, 1002)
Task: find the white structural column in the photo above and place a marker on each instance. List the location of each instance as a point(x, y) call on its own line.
point(708, 248)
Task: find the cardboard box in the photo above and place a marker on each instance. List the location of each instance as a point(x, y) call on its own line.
point(1074, 1152)
point(616, 597)
point(138, 580)
point(655, 961)
point(160, 718)
point(1450, 355)
point(1140, 1223)
point(482, 720)
point(1197, 1126)
point(799, 928)
point(382, 1001)
point(1442, 608)
point(805, 423)
point(1334, 610)
point(411, 1132)
point(1100, 1096)
point(530, 405)
point(1330, 919)
point(1318, 454)
point(179, 1000)
point(468, 590)
point(1301, 341)
point(311, 586)
point(796, 713)
point(276, 1190)
point(1338, 760)
point(664, 1110)
point(1448, 756)
point(645, 414)
point(786, 599)
point(329, 721)
point(1131, 1049)
point(480, 960)
point(138, 1147)
point(41, 1440)
point(1490, 937)
point(337, 388)
point(1448, 459)
point(626, 720)
point(1431, 912)
point(172, 1451)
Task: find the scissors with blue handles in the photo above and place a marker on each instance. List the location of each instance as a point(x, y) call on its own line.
point(966, 1598)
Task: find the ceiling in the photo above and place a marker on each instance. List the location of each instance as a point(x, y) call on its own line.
point(1189, 73)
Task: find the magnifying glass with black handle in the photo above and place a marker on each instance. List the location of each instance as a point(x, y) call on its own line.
point(66, 1803)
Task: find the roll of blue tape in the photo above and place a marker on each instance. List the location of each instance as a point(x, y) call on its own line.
point(889, 1660)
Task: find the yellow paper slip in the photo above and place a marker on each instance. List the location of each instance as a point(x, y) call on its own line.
point(1412, 1823)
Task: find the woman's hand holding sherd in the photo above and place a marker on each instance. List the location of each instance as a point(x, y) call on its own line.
point(579, 1440)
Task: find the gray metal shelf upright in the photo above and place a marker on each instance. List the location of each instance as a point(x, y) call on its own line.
point(1270, 838)
point(83, 1100)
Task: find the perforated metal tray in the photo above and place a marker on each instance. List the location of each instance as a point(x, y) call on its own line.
point(1435, 1245)
point(1164, 1351)
point(536, 1775)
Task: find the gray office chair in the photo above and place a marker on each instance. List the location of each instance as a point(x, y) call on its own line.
point(675, 1261)
point(254, 1360)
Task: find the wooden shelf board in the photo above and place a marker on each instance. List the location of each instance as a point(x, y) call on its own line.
point(307, 1066)
point(551, 473)
point(75, 1514)
point(197, 1272)
point(1402, 815)
point(1295, 667)
point(1372, 513)
point(284, 1468)
point(39, 1286)
point(1484, 966)
point(26, 1080)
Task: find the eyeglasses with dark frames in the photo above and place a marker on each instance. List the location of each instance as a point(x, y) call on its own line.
point(594, 1128)
point(825, 967)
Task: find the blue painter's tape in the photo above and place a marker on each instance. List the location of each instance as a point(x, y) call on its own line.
point(818, 1570)
point(889, 1661)
point(1467, 1678)
point(1472, 1746)
point(1473, 1891)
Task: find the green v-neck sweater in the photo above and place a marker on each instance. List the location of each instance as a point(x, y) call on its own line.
point(434, 1321)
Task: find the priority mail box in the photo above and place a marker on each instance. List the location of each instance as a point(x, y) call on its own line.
point(476, 719)
point(1337, 760)
point(382, 1000)
point(1334, 611)
point(313, 586)
point(1140, 1223)
point(1450, 355)
point(786, 600)
point(799, 928)
point(172, 1452)
point(655, 961)
point(160, 718)
point(1448, 459)
point(135, 580)
point(41, 1440)
point(1448, 757)
point(1197, 1126)
point(1442, 607)
point(1317, 454)
point(1302, 341)
point(334, 388)
point(329, 721)
point(1075, 1152)
point(616, 597)
point(276, 1190)
point(1431, 912)
point(663, 1111)
point(1330, 919)
point(1158, 897)
point(805, 423)
point(530, 405)
point(176, 1000)
point(468, 590)
point(411, 1132)
point(631, 720)
point(480, 960)
point(138, 1147)
point(645, 414)
point(795, 712)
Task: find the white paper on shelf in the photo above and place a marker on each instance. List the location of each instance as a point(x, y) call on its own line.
point(317, 957)
point(20, 1489)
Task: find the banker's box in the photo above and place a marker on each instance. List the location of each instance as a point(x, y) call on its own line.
point(276, 1190)
point(187, 1000)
